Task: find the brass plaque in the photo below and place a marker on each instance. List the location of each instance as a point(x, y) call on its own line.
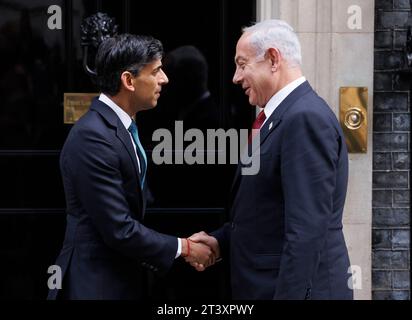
point(76, 105)
point(353, 117)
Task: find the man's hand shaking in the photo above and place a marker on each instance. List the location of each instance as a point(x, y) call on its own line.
point(204, 251)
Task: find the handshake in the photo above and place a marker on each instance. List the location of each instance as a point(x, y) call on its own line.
point(200, 250)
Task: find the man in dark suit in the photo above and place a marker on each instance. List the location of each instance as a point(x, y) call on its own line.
point(285, 238)
point(107, 248)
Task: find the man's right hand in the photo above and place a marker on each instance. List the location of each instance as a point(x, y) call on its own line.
point(197, 254)
point(205, 239)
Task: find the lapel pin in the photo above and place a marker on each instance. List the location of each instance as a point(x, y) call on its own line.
point(270, 125)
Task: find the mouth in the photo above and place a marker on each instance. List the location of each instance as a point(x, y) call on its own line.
point(247, 91)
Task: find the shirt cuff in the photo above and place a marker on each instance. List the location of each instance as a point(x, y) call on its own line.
point(179, 248)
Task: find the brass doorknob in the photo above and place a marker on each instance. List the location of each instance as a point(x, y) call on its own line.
point(353, 117)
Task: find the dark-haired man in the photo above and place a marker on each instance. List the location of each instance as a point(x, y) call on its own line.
point(103, 165)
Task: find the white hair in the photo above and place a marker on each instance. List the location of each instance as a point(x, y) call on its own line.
point(275, 34)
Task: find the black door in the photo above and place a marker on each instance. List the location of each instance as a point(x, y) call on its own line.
point(39, 64)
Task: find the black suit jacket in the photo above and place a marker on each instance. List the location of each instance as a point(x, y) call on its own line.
point(285, 238)
point(106, 247)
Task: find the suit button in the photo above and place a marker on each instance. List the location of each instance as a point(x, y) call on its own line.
point(233, 225)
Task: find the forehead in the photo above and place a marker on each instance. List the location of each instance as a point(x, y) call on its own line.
point(244, 50)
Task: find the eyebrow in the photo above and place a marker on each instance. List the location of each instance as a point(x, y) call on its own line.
point(238, 59)
point(158, 67)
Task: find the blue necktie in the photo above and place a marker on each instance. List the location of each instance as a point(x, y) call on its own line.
point(139, 148)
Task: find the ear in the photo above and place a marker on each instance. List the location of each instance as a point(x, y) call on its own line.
point(274, 56)
point(127, 80)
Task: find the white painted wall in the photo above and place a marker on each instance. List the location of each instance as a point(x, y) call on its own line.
point(334, 56)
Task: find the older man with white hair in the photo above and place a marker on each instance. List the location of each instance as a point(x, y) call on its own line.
point(284, 238)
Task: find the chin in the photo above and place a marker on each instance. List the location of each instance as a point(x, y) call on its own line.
point(148, 107)
point(252, 102)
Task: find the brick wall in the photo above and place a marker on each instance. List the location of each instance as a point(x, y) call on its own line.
point(391, 154)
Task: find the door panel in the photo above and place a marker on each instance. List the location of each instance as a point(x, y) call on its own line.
point(39, 65)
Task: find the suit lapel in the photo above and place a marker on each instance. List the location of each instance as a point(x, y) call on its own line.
point(122, 134)
point(124, 137)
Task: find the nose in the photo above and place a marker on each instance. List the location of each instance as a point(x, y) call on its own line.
point(163, 77)
point(236, 77)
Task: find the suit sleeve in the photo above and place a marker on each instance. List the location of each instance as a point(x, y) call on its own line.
point(98, 184)
point(222, 236)
point(309, 156)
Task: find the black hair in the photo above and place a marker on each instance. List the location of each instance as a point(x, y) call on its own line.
point(121, 53)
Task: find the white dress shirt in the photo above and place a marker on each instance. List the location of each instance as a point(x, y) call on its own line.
point(281, 95)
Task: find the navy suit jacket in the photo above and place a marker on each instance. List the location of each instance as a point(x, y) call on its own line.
point(106, 247)
point(285, 238)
